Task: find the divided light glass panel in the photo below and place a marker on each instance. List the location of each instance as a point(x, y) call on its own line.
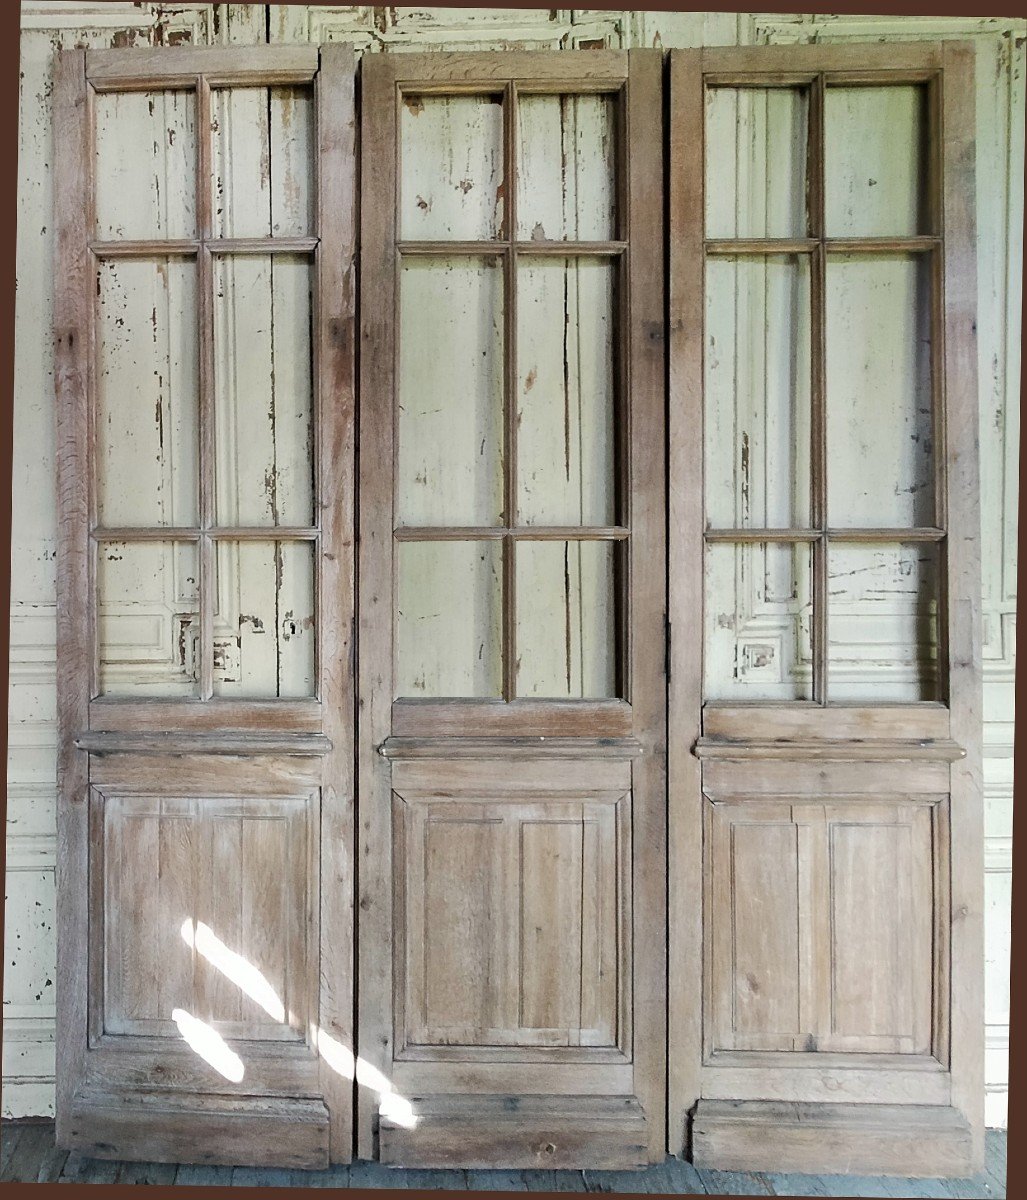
point(146, 414)
point(759, 615)
point(883, 603)
point(451, 168)
point(449, 428)
point(449, 618)
point(756, 152)
point(264, 627)
point(567, 619)
point(880, 442)
point(757, 386)
point(145, 165)
point(876, 161)
point(148, 606)
point(263, 147)
point(263, 390)
point(567, 168)
point(566, 391)
point(477, 432)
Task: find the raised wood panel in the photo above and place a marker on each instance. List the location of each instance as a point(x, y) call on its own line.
point(821, 924)
point(204, 914)
point(514, 923)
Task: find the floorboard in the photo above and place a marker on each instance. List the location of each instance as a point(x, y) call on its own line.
point(28, 1155)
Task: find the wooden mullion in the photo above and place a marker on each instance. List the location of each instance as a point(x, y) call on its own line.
point(761, 535)
point(145, 533)
point(535, 533)
point(736, 247)
point(818, 385)
point(205, 341)
point(146, 248)
point(266, 533)
point(914, 244)
point(510, 393)
point(912, 534)
point(262, 245)
point(547, 249)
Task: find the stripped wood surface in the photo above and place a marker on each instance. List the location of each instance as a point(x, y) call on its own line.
point(29, 1156)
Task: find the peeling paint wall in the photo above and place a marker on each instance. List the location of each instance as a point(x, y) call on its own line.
point(262, 168)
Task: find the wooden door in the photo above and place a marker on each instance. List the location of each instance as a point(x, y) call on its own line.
point(825, 744)
point(511, 816)
point(204, 358)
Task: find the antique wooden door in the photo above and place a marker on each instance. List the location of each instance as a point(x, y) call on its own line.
point(825, 798)
point(204, 352)
point(511, 822)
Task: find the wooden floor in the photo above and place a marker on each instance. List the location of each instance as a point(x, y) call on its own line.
point(29, 1156)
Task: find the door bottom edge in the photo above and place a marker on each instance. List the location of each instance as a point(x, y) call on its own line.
point(201, 1129)
point(518, 1133)
point(910, 1140)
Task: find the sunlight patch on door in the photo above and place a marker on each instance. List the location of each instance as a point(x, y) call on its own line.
point(209, 1045)
point(233, 966)
point(340, 1058)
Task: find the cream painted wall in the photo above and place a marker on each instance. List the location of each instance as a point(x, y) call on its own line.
point(28, 1055)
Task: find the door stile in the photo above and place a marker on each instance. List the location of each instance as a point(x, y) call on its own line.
point(335, 441)
point(378, 317)
point(72, 336)
point(685, 593)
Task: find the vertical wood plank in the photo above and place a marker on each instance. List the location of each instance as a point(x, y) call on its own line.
point(646, 585)
point(72, 335)
point(818, 394)
point(685, 432)
point(963, 586)
point(205, 341)
point(335, 365)
point(377, 401)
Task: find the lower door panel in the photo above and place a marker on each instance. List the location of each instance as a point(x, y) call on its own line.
point(512, 966)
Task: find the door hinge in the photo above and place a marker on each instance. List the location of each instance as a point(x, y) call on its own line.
point(666, 646)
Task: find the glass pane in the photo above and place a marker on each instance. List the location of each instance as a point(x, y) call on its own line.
point(262, 159)
point(451, 168)
point(567, 168)
point(146, 392)
point(449, 464)
point(566, 350)
point(449, 619)
point(757, 424)
point(882, 622)
point(880, 454)
point(263, 391)
point(759, 612)
point(264, 619)
point(875, 158)
point(756, 162)
point(149, 626)
point(567, 619)
point(145, 165)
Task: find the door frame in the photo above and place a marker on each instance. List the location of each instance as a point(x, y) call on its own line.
point(164, 746)
point(901, 748)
